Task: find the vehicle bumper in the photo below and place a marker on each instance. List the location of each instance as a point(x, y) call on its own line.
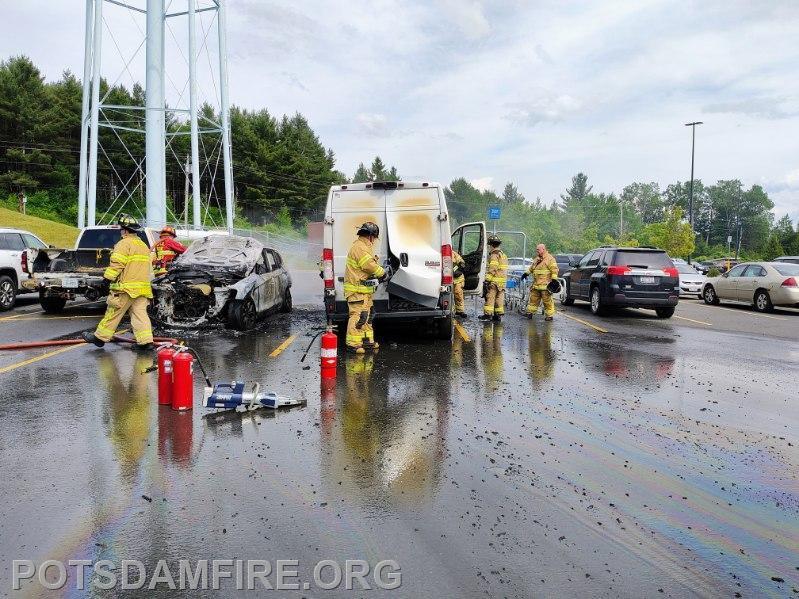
point(661, 301)
point(337, 311)
point(691, 288)
point(785, 296)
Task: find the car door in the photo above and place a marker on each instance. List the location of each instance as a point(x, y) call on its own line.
point(12, 246)
point(576, 275)
point(276, 283)
point(588, 265)
point(470, 242)
point(749, 281)
point(727, 285)
point(259, 293)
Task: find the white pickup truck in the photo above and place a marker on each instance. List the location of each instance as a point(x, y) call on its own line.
point(62, 275)
point(13, 243)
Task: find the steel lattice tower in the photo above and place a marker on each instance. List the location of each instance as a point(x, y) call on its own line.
point(150, 119)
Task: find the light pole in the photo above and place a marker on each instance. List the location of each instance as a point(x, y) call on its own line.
point(691, 187)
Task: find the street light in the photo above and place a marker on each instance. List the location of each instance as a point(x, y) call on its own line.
point(691, 187)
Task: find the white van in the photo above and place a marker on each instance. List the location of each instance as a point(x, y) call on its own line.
point(414, 238)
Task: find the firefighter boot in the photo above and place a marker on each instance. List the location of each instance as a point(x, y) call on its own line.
point(143, 347)
point(497, 318)
point(485, 317)
point(92, 338)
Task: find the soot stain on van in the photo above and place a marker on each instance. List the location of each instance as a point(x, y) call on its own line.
point(415, 228)
point(418, 201)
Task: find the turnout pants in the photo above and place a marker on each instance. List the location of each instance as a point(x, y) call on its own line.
point(457, 292)
point(118, 305)
point(541, 295)
point(359, 324)
point(495, 300)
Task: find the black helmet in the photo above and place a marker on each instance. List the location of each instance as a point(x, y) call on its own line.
point(369, 228)
point(553, 286)
point(494, 240)
point(129, 223)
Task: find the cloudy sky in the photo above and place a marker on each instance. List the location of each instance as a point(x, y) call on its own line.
point(496, 91)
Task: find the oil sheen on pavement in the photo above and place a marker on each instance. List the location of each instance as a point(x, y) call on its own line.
point(535, 459)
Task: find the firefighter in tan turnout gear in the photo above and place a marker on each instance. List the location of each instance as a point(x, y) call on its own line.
point(496, 278)
point(458, 282)
point(361, 277)
point(544, 270)
point(128, 275)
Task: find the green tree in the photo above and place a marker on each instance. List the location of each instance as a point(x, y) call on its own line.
point(672, 234)
point(362, 174)
point(511, 195)
point(773, 248)
point(646, 199)
point(576, 192)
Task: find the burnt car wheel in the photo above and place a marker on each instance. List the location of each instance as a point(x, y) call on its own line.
point(242, 315)
point(286, 306)
point(52, 305)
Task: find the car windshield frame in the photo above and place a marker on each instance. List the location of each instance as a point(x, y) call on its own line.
point(637, 258)
point(791, 269)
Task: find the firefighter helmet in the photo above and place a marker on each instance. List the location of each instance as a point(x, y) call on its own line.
point(167, 230)
point(369, 228)
point(494, 240)
point(554, 286)
point(128, 222)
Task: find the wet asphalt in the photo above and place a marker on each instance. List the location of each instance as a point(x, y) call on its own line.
point(526, 459)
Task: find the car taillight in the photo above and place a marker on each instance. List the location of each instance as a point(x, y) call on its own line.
point(446, 264)
point(327, 268)
point(619, 270)
point(672, 272)
point(789, 282)
point(24, 260)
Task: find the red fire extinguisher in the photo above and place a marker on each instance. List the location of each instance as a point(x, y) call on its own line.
point(182, 381)
point(329, 354)
point(165, 355)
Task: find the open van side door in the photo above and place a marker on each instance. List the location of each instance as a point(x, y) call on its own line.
point(470, 241)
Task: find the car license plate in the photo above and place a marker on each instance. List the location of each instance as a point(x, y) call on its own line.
point(69, 283)
point(648, 280)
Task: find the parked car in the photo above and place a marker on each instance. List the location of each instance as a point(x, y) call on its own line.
point(624, 277)
point(791, 259)
point(229, 279)
point(762, 285)
point(415, 239)
point(564, 262)
point(13, 263)
point(517, 266)
point(691, 281)
point(60, 275)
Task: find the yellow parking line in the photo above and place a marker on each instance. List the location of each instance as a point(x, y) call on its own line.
point(462, 332)
point(10, 317)
point(282, 346)
point(40, 319)
point(585, 322)
point(692, 320)
point(44, 356)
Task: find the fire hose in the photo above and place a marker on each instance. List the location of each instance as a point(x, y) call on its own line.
point(57, 342)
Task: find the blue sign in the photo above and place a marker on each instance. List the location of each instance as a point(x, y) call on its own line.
point(493, 212)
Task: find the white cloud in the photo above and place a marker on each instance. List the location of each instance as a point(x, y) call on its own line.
point(375, 125)
point(483, 183)
point(544, 108)
point(468, 16)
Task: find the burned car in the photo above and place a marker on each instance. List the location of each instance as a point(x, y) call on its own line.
point(222, 279)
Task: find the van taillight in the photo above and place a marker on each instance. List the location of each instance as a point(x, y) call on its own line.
point(327, 268)
point(789, 282)
point(24, 259)
point(446, 264)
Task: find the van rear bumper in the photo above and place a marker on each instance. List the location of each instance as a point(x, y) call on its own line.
point(338, 312)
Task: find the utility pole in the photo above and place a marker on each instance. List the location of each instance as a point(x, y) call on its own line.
point(691, 188)
point(621, 221)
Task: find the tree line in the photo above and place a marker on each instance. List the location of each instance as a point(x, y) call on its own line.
point(282, 173)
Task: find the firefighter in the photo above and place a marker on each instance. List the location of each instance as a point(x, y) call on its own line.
point(361, 277)
point(496, 277)
point(128, 277)
point(166, 249)
point(458, 281)
point(544, 269)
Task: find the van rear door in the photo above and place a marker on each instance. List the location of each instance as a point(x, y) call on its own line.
point(413, 234)
point(469, 241)
point(350, 208)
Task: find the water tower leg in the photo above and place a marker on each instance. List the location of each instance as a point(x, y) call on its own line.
point(154, 116)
